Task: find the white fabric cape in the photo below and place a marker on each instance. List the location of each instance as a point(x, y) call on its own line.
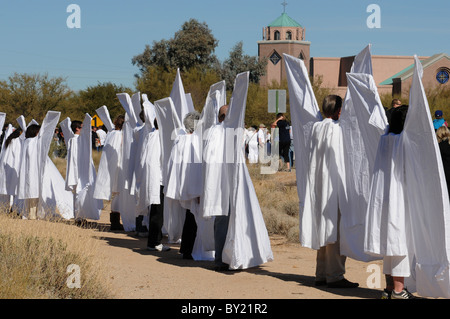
point(304, 114)
point(247, 243)
point(10, 158)
point(147, 171)
point(80, 171)
point(184, 180)
point(181, 101)
point(169, 127)
point(126, 196)
point(39, 177)
point(9, 167)
point(170, 113)
point(103, 114)
point(110, 164)
point(253, 151)
point(419, 225)
point(362, 122)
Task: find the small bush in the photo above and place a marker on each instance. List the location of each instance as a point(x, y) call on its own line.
point(35, 256)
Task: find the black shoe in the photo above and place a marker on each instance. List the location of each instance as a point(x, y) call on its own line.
point(319, 283)
point(343, 283)
point(116, 227)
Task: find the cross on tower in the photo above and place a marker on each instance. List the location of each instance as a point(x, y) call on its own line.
point(284, 4)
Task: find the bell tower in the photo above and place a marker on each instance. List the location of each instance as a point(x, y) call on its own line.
point(283, 35)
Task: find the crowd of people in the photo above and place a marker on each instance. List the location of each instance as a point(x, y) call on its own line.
point(166, 168)
point(150, 177)
point(371, 182)
point(259, 140)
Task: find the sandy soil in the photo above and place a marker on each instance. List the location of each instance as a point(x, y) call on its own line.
point(136, 273)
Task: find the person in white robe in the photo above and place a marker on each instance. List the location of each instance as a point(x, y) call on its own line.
point(240, 235)
point(80, 170)
point(131, 217)
point(361, 124)
point(184, 184)
point(5, 200)
point(409, 210)
point(170, 113)
point(325, 184)
point(147, 177)
point(262, 140)
point(101, 137)
point(106, 185)
point(9, 171)
point(41, 186)
point(252, 142)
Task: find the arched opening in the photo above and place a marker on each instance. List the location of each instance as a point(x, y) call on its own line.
point(289, 35)
point(276, 35)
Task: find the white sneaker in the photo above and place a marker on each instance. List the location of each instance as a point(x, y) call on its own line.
point(159, 247)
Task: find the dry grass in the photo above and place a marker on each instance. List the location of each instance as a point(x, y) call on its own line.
point(277, 195)
point(35, 256)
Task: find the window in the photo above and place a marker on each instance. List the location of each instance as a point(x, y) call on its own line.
point(442, 75)
point(289, 35)
point(276, 35)
point(301, 56)
point(275, 58)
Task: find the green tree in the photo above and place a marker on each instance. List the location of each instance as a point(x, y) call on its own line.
point(239, 62)
point(93, 97)
point(192, 46)
point(32, 95)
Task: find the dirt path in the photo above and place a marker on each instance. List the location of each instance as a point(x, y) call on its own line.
point(136, 273)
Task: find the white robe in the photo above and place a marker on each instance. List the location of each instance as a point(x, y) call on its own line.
point(106, 184)
point(409, 208)
point(10, 159)
point(169, 128)
point(319, 219)
point(148, 172)
point(184, 184)
point(170, 113)
point(9, 167)
point(80, 173)
point(247, 242)
point(253, 150)
point(362, 122)
point(39, 178)
point(127, 197)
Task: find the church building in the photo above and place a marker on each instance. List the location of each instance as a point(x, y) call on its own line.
point(392, 74)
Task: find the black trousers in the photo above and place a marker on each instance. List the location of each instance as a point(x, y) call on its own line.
point(284, 150)
point(189, 234)
point(156, 220)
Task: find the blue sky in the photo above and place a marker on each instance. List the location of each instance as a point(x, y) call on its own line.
point(34, 37)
